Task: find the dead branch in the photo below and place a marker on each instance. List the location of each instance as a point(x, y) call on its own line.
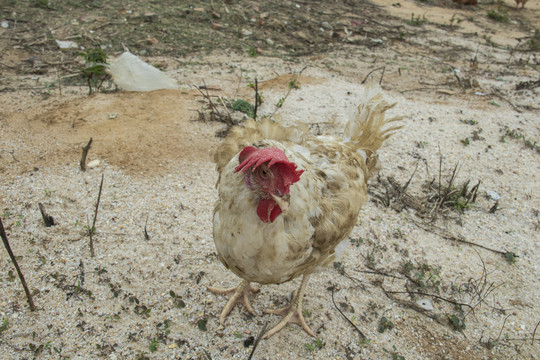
point(256, 107)
point(412, 305)
point(454, 302)
point(332, 288)
point(92, 230)
point(258, 339)
point(47, 219)
point(446, 235)
point(371, 72)
point(16, 264)
point(295, 77)
point(85, 154)
point(534, 332)
point(146, 236)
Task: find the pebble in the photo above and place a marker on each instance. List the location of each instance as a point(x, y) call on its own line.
point(326, 25)
point(493, 195)
point(425, 304)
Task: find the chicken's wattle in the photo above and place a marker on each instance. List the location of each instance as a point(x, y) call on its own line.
point(268, 210)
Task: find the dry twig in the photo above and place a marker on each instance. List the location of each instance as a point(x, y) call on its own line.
point(332, 288)
point(16, 264)
point(258, 340)
point(92, 230)
point(85, 154)
point(47, 219)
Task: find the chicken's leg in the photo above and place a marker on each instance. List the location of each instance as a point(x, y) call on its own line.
point(239, 294)
point(293, 312)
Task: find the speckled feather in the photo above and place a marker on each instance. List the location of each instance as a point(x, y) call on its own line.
point(324, 203)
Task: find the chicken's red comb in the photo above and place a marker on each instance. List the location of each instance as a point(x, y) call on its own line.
point(251, 156)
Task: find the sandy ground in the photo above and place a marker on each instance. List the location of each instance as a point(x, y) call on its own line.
point(147, 298)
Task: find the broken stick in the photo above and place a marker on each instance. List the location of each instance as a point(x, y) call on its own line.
point(84, 154)
point(47, 219)
point(14, 261)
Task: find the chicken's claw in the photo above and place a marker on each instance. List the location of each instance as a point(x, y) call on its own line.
point(292, 313)
point(239, 294)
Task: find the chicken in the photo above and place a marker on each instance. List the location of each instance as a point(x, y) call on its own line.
point(522, 2)
point(288, 198)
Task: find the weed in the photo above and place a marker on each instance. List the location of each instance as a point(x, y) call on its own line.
point(5, 325)
point(534, 42)
point(421, 144)
point(454, 19)
point(364, 342)
point(357, 242)
point(317, 344)
point(201, 324)
point(510, 257)
point(385, 324)
point(153, 346)
point(244, 107)
point(44, 4)
point(395, 355)
point(294, 84)
point(252, 51)
point(499, 15)
point(11, 276)
point(423, 275)
point(457, 322)
point(280, 102)
point(465, 141)
point(237, 334)
point(516, 134)
point(417, 21)
point(94, 71)
point(469, 121)
point(339, 267)
point(178, 302)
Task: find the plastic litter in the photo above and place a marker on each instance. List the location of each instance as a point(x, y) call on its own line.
point(132, 74)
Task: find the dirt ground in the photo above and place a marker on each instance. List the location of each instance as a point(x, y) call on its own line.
point(467, 85)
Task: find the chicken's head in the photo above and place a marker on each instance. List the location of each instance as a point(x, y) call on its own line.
point(270, 175)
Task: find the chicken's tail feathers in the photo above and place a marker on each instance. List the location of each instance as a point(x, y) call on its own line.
point(368, 126)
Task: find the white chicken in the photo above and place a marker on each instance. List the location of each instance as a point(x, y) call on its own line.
point(288, 198)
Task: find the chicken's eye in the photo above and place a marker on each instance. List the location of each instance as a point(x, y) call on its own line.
point(263, 173)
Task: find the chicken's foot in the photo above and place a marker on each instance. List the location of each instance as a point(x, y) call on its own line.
point(239, 294)
point(293, 312)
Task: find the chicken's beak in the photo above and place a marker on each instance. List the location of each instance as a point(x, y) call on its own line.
point(282, 201)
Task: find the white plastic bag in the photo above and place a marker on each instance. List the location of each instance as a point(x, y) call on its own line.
point(132, 74)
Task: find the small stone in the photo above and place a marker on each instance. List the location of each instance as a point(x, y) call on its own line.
point(425, 304)
point(64, 45)
point(4, 24)
point(270, 42)
point(326, 25)
point(93, 163)
point(246, 32)
point(493, 195)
